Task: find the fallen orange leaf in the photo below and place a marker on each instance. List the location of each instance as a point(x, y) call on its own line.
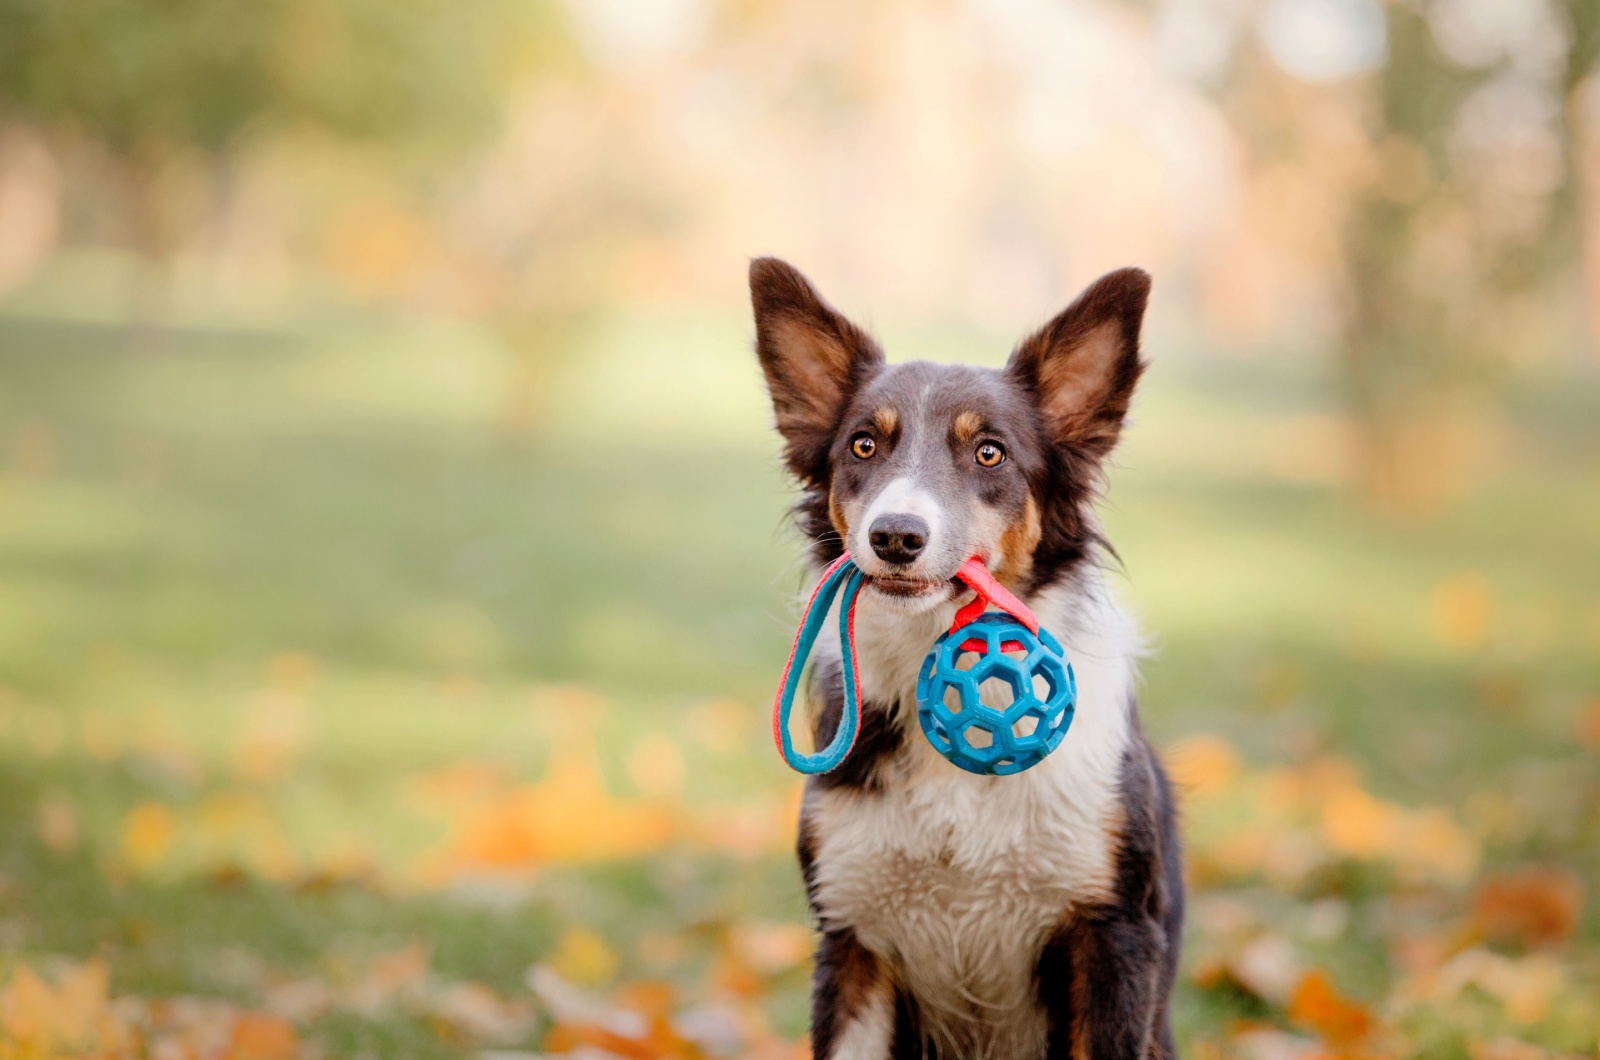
point(1532, 906)
point(259, 1036)
point(569, 816)
point(660, 1042)
point(1589, 726)
point(1318, 1006)
point(71, 1012)
point(566, 1037)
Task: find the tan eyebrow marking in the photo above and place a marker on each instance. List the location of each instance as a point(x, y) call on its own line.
point(967, 426)
point(886, 420)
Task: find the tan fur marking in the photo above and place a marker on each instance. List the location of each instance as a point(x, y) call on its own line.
point(886, 420)
point(1017, 544)
point(836, 516)
point(1081, 970)
point(967, 426)
point(1072, 386)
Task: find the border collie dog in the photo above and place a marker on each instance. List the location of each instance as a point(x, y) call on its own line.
point(964, 916)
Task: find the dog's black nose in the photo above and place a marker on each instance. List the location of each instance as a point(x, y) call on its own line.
point(898, 538)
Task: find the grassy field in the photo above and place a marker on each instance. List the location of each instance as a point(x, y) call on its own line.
point(344, 713)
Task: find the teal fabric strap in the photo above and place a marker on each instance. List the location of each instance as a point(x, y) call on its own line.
point(841, 574)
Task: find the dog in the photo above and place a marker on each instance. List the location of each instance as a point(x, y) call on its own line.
point(966, 916)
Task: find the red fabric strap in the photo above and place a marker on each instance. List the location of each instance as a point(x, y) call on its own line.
point(976, 577)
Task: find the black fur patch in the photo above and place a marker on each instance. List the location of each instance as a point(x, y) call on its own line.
point(876, 741)
point(1106, 976)
point(846, 975)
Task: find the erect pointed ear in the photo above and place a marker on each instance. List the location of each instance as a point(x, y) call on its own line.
point(813, 359)
point(1082, 366)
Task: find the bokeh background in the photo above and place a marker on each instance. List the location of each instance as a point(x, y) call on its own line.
point(393, 561)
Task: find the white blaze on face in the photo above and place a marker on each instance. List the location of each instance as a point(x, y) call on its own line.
point(902, 496)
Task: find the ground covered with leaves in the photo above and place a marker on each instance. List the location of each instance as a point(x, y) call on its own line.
point(343, 715)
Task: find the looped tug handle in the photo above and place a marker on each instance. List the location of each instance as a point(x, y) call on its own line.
point(976, 577)
point(841, 573)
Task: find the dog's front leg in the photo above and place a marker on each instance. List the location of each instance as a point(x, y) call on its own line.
point(852, 1003)
point(1100, 980)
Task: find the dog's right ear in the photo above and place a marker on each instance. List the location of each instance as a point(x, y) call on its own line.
point(813, 359)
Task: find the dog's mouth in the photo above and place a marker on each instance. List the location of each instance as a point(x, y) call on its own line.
point(895, 585)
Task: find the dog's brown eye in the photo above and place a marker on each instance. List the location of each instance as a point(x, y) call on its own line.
point(990, 454)
point(864, 446)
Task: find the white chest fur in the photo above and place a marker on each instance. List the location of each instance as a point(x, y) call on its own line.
point(956, 880)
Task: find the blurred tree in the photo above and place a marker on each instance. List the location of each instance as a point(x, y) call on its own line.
point(1461, 208)
point(1473, 210)
point(148, 79)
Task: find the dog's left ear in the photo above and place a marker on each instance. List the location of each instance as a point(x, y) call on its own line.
point(1082, 366)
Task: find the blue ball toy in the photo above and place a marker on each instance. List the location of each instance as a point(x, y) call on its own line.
point(1003, 657)
point(1027, 680)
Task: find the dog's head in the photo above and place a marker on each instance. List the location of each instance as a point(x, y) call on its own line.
point(915, 467)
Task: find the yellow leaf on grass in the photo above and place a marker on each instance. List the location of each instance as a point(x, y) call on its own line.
point(1356, 824)
point(584, 957)
point(1204, 764)
point(147, 834)
point(1461, 608)
point(273, 736)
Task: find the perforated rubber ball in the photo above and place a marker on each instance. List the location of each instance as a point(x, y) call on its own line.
point(994, 698)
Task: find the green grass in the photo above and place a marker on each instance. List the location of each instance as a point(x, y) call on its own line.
point(176, 515)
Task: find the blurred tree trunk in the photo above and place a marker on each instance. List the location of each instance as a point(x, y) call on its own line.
point(1439, 280)
point(1405, 359)
point(154, 238)
point(1581, 114)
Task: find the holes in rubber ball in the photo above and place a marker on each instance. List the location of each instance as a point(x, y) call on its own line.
point(997, 692)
